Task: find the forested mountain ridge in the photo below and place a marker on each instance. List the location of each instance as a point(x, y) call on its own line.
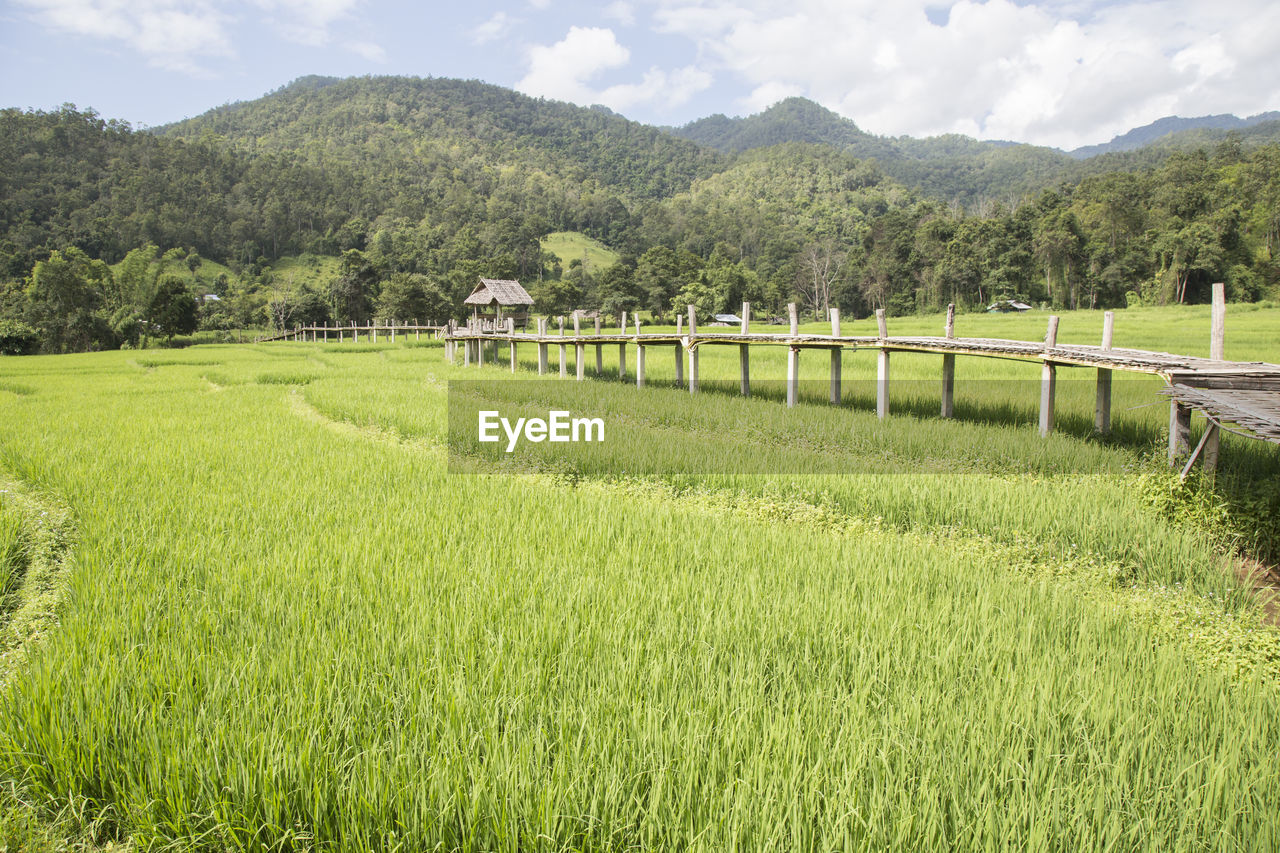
point(412, 188)
point(959, 169)
point(790, 120)
point(411, 124)
point(950, 168)
point(1174, 131)
point(70, 178)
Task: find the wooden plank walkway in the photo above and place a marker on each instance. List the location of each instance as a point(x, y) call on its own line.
point(1246, 394)
point(1190, 370)
point(1257, 412)
point(325, 332)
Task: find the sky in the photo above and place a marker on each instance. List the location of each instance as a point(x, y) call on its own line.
point(1064, 73)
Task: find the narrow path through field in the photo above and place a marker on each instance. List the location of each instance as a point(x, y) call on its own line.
point(48, 533)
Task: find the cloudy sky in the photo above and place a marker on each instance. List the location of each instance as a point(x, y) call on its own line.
point(1052, 72)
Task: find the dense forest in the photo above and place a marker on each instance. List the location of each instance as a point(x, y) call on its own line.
point(413, 188)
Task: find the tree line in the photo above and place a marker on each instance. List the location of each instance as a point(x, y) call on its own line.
point(109, 235)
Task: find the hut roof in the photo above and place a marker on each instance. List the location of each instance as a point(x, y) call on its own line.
point(501, 291)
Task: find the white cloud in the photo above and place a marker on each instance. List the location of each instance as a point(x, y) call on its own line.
point(566, 71)
point(497, 26)
point(1058, 73)
point(767, 94)
point(179, 35)
point(620, 11)
point(171, 34)
point(367, 49)
point(561, 70)
point(668, 89)
point(306, 21)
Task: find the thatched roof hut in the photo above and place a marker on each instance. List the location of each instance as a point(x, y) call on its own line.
point(495, 299)
point(501, 293)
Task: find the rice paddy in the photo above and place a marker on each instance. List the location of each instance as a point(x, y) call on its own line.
point(289, 618)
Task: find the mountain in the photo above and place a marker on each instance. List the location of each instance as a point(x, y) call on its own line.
point(791, 120)
point(1165, 129)
point(427, 170)
point(950, 167)
point(69, 178)
point(412, 126)
point(410, 188)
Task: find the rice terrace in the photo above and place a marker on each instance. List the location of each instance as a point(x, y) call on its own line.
point(252, 608)
point(412, 463)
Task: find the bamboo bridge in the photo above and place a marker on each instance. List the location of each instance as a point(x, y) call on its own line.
point(1241, 396)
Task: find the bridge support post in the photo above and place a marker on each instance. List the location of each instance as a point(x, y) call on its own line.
point(1217, 351)
point(679, 364)
point(639, 365)
point(882, 366)
point(793, 376)
point(1102, 408)
point(949, 368)
point(1048, 390)
point(542, 346)
point(1209, 461)
point(693, 351)
point(744, 353)
point(882, 384)
point(793, 360)
point(1048, 379)
point(1179, 431)
point(579, 349)
point(511, 330)
point(836, 355)
point(600, 348)
point(622, 347)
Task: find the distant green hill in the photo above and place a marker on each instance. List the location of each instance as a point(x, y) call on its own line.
point(1176, 132)
point(949, 167)
point(959, 168)
point(416, 130)
point(790, 120)
point(569, 246)
point(340, 199)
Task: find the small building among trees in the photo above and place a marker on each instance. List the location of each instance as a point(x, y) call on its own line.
point(496, 300)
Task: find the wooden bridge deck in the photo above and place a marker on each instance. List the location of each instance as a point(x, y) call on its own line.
point(341, 333)
point(1181, 369)
point(1258, 412)
point(1245, 394)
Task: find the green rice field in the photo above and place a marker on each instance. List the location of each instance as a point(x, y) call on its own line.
point(253, 602)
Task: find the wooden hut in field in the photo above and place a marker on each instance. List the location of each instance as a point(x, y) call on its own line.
point(495, 300)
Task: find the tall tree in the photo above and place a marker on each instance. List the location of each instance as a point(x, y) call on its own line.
point(820, 266)
point(63, 295)
point(352, 293)
point(173, 309)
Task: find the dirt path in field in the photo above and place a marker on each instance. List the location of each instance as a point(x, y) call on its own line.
point(50, 532)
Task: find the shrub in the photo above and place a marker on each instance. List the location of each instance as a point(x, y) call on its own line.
point(17, 338)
